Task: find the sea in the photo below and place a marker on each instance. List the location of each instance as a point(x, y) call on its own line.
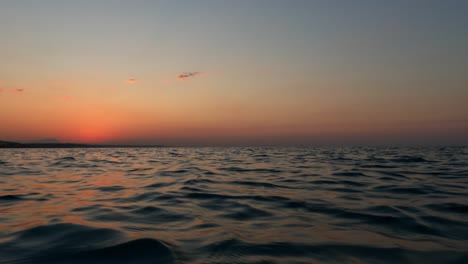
point(234, 205)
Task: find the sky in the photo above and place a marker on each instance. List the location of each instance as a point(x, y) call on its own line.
point(256, 72)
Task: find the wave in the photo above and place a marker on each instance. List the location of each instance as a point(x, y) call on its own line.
point(235, 250)
point(72, 243)
point(234, 205)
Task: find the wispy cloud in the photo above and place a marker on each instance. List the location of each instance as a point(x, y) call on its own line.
point(187, 75)
point(13, 90)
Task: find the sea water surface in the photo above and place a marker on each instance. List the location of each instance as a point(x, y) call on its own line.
point(234, 205)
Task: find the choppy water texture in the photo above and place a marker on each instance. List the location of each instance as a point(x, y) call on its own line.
point(234, 205)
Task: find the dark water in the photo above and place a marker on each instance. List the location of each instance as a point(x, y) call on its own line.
point(234, 205)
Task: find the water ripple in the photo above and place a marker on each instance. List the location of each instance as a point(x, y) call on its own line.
point(234, 205)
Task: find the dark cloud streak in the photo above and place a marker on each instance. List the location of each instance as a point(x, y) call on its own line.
point(187, 75)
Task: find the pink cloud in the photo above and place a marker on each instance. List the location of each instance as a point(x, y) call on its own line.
point(132, 81)
point(13, 90)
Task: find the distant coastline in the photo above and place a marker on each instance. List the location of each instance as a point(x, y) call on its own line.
point(9, 144)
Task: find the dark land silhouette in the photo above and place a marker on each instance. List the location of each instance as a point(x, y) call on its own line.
point(9, 144)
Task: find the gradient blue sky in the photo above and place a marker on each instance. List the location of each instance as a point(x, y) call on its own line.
point(271, 72)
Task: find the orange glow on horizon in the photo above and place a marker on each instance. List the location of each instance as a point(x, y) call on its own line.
point(91, 125)
point(91, 135)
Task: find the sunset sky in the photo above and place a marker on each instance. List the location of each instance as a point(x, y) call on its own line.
point(244, 72)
